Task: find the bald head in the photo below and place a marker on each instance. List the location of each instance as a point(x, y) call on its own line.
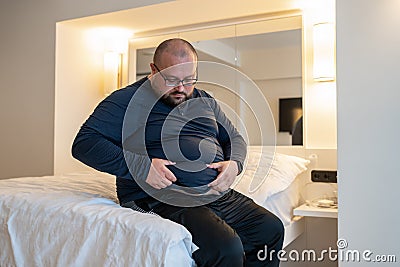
point(176, 47)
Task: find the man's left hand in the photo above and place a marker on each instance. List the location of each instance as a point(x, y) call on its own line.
point(227, 174)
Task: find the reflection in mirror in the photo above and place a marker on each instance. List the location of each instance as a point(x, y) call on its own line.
point(271, 60)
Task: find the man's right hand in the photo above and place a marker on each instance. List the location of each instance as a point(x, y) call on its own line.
point(159, 175)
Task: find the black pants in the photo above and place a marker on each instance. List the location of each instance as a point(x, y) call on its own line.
point(229, 231)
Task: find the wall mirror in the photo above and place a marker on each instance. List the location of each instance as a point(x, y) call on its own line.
point(268, 51)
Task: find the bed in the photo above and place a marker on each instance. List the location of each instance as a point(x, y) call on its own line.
point(75, 220)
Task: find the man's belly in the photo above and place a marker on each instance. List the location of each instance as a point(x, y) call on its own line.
point(191, 154)
point(187, 178)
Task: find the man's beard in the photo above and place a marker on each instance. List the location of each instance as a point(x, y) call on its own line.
point(173, 102)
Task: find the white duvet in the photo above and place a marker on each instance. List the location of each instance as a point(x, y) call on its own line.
point(75, 220)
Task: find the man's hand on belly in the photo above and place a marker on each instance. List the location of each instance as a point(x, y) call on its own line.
point(227, 174)
point(159, 175)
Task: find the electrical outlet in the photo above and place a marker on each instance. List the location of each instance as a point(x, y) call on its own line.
point(324, 176)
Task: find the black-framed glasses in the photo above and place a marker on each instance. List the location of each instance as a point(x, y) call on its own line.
point(174, 82)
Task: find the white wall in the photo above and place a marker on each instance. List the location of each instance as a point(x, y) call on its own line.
point(368, 83)
point(27, 64)
point(77, 82)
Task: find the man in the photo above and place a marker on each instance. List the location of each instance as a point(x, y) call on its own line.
point(149, 136)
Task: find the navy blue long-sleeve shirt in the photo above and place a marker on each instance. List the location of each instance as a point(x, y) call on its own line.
point(194, 134)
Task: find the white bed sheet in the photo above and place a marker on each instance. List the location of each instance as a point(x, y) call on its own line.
point(74, 220)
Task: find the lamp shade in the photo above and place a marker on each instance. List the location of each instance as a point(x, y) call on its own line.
point(324, 52)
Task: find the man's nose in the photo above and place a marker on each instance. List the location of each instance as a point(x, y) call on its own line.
point(180, 87)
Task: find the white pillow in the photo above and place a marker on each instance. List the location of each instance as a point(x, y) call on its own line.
point(266, 174)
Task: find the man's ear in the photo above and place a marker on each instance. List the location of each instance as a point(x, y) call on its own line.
point(153, 69)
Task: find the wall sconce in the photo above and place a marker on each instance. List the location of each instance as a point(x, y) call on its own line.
point(112, 72)
point(324, 52)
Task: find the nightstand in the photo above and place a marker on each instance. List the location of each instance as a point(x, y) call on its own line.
point(311, 211)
